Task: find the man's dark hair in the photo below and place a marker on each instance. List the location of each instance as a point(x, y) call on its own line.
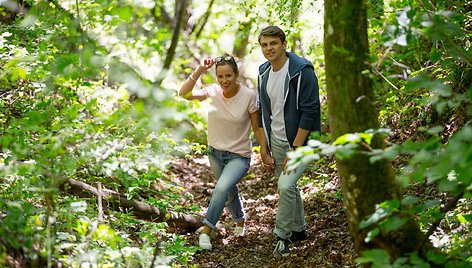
point(272, 31)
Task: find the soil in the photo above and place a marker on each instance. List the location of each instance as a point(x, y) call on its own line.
point(329, 243)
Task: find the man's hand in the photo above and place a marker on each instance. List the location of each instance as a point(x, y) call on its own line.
point(287, 158)
point(267, 160)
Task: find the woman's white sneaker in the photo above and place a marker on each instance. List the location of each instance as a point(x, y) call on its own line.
point(238, 231)
point(204, 241)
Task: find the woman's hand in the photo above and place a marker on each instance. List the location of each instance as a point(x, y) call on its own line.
point(207, 63)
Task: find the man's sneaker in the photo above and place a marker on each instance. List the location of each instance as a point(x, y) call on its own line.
point(295, 237)
point(281, 248)
point(238, 231)
point(298, 236)
point(204, 241)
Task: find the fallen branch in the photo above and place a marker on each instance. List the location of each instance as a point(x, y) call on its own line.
point(141, 210)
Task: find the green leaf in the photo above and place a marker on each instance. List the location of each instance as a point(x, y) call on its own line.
point(378, 256)
point(432, 203)
point(345, 152)
point(435, 257)
point(435, 130)
point(371, 235)
point(124, 13)
point(17, 73)
point(434, 55)
point(393, 223)
point(464, 218)
point(382, 211)
point(366, 137)
point(419, 82)
point(409, 200)
point(419, 262)
point(347, 138)
point(390, 154)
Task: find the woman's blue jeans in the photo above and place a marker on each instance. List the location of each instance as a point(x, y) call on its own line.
point(228, 168)
point(290, 214)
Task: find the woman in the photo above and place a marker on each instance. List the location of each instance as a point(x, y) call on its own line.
point(229, 145)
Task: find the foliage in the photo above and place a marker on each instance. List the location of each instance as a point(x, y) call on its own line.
point(445, 85)
point(427, 107)
point(62, 117)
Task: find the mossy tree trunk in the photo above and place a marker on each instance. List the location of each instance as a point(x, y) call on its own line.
point(242, 38)
point(352, 108)
point(295, 37)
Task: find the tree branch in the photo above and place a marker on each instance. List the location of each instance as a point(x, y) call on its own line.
point(451, 205)
point(202, 22)
point(140, 210)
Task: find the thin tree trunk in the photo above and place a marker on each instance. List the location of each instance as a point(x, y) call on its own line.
point(295, 37)
point(180, 10)
point(242, 39)
point(203, 20)
point(351, 108)
point(182, 4)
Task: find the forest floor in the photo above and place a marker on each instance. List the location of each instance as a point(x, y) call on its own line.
point(329, 243)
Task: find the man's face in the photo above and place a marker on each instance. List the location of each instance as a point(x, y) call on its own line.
point(272, 47)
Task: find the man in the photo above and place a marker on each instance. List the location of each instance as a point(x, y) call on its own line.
point(289, 111)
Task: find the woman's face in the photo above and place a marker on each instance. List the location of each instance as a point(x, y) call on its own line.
point(226, 77)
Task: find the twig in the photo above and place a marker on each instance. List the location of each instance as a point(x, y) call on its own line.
point(452, 204)
point(367, 146)
point(100, 207)
point(386, 79)
point(401, 65)
point(156, 252)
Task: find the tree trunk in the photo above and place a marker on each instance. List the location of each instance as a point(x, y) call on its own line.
point(351, 108)
point(202, 21)
point(12, 9)
point(242, 38)
point(180, 8)
point(296, 38)
point(140, 210)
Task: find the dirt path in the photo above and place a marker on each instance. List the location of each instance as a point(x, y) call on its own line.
point(329, 243)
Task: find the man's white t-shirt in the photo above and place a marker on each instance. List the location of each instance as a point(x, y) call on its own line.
point(229, 124)
point(275, 91)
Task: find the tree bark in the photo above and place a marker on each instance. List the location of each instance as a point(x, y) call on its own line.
point(352, 108)
point(181, 5)
point(202, 21)
point(12, 9)
point(242, 39)
point(295, 37)
point(141, 210)
point(180, 10)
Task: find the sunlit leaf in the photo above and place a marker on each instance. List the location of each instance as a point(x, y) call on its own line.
point(17, 73)
point(125, 13)
point(464, 218)
point(371, 235)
